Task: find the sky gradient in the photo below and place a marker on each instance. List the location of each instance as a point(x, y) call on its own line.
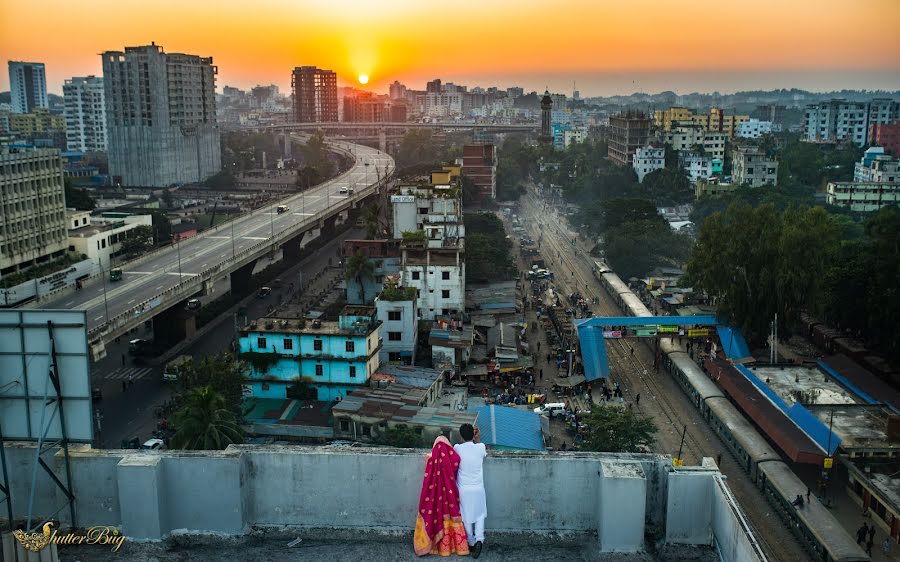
point(606, 46)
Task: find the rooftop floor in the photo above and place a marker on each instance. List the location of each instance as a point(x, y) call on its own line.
point(266, 548)
point(815, 386)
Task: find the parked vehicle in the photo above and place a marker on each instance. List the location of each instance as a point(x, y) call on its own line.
point(153, 445)
point(550, 409)
point(173, 367)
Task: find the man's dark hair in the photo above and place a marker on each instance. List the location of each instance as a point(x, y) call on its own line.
point(467, 432)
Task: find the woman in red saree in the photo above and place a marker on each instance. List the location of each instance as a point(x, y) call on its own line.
point(439, 527)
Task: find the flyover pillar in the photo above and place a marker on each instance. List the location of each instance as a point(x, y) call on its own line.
point(174, 325)
point(241, 280)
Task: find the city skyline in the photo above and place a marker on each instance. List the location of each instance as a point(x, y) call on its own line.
point(676, 50)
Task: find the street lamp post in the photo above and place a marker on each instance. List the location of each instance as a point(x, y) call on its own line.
point(105, 303)
point(178, 250)
point(232, 237)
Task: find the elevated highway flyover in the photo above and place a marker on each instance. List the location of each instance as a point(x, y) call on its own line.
point(157, 284)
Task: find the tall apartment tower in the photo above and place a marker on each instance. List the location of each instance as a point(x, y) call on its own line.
point(33, 207)
point(315, 95)
point(628, 132)
point(160, 116)
point(85, 113)
point(28, 86)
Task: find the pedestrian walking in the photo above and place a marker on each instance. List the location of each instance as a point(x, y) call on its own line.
point(807, 495)
point(869, 544)
point(637, 399)
point(130, 381)
point(871, 534)
point(861, 533)
point(541, 374)
point(887, 547)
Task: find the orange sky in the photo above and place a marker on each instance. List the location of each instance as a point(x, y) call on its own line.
point(496, 42)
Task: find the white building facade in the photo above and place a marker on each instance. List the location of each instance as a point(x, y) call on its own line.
point(160, 117)
point(399, 330)
point(840, 120)
point(85, 113)
point(753, 129)
point(751, 167)
point(27, 86)
point(100, 238)
point(863, 197)
point(648, 159)
point(686, 137)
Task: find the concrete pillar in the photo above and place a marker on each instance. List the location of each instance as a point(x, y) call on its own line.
point(139, 478)
point(690, 492)
point(174, 325)
point(382, 140)
point(621, 507)
point(240, 280)
point(292, 250)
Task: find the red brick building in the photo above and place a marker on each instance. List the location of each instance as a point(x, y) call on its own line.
point(480, 164)
point(886, 135)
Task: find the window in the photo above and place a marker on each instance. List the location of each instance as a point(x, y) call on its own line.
point(317, 345)
point(352, 371)
point(445, 275)
point(288, 343)
point(349, 347)
point(320, 370)
point(367, 430)
point(261, 343)
point(415, 275)
point(395, 336)
point(394, 315)
point(394, 356)
point(445, 294)
point(423, 210)
point(345, 425)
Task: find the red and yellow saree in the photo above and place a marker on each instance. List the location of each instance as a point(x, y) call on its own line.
point(439, 527)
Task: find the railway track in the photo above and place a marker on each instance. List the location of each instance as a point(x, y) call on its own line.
point(635, 375)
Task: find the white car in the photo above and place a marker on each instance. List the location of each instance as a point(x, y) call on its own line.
point(343, 191)
point(153, 445)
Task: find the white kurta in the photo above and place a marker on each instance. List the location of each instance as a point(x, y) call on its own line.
point(470, 481)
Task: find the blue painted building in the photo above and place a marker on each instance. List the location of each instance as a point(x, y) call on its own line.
point(334, 357)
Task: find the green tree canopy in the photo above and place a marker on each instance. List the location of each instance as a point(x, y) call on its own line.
point(204, 423)
point(403, 437)
point(316, 154)
point(138, 241)
point(221, 373)
point(618, 430)
point(416, 148)
point(488, 251)
point(78, 198)
point(360, 268)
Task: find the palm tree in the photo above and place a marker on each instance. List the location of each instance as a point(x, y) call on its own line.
point(359, 267)
point(204, 423)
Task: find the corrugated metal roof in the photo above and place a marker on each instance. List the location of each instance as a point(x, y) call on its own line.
point(510, 428)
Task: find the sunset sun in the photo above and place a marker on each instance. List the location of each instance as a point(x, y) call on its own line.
point(363, 78)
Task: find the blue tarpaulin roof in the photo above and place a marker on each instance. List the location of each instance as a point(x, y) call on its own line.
point(509, 428)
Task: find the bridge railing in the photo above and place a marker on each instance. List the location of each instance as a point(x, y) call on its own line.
point(178, 292)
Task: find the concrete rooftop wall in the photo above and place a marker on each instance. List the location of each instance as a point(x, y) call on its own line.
point(149, 495)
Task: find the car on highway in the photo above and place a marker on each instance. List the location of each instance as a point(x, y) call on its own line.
point(344, 191)
point(263, 292)
point(193, 304)
point(282, 209)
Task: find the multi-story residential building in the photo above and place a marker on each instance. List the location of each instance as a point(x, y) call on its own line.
point(863, 197)
point(366, 107)
point(399, 315)
point(480, 165)
point(648, 159)
point(100, 237)
point(428, 219)
point(713, 187)
point(28, 86)
point(397, 91)
point(315, 95)
point(840, 120)
point(33, 207)
point(754, 129)
point(38, 122)
point(751, 166)
point(627, 132)
point(690, 136)
point(876, 166)
point(715, 121)
point(334, 357)
point(160, 116)
point(886, 135)
point(85, 113)
point(699, 166)
point(574, 135)
point(444, 104)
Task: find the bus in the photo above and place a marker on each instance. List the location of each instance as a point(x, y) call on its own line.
point(174, 366)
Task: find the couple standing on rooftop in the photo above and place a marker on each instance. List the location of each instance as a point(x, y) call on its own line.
point(453, 504)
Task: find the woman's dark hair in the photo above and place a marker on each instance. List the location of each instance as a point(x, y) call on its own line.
point(467, 432)
point(446, 433)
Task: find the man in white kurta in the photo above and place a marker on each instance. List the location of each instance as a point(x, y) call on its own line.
point(469, 479)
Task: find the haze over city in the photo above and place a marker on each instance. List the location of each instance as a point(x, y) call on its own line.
point(606, 47)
